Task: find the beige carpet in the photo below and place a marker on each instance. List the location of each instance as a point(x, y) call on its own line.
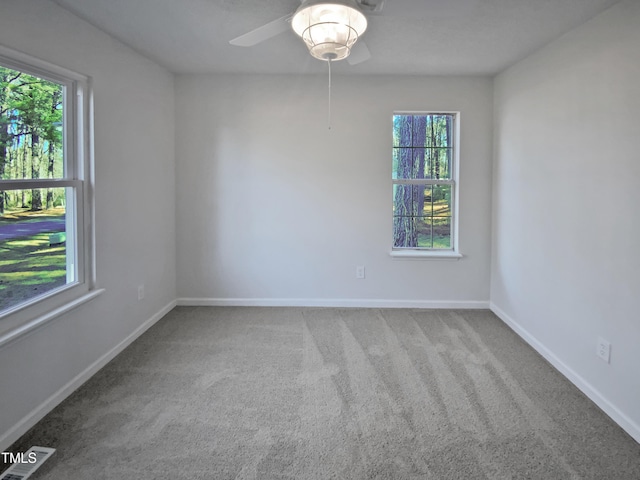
point(305, 393)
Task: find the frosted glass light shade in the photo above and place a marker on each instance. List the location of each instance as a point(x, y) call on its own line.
point(329, 29)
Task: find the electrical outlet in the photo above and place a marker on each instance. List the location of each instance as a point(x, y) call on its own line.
point(603, 349)
point(360, 271)
point(140, 292)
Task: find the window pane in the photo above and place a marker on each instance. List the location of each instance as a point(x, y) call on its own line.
point(441, 200)
point(422, 216)
point(31, 123)
point(434, 232)
point(422, 200)
point(425, 233)
point(423, 131)
point(402, 130)
point(408, 163)
point(410, 203)
point(439, 131)
point(439, 163)
point(33, 250)
point(441, 232)
point(406, 200)
point(405, 233)
point(419, 163)
point(422, 232)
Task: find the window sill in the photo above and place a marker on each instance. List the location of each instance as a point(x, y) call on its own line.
point(22, 330)
point(426, 254)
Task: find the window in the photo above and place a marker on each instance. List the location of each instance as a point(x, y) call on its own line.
point(424, 183)
point(46, 253)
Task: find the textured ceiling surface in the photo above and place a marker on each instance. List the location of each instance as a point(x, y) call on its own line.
point(409, 37)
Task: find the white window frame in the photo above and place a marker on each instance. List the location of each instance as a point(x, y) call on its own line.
point(78, 178)
point(421, 252)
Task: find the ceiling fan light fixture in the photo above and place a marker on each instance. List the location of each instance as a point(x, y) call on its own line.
point(329, 28)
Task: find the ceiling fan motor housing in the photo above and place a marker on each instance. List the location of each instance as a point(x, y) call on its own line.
point(329, 28)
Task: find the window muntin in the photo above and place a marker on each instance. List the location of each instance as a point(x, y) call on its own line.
point(46, 254)
point(423, 175)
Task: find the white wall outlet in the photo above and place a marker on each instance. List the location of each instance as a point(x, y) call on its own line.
point(140, 292)
point(603, 349)
point(360, 271)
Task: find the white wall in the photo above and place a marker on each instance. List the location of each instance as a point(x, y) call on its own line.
point(135, 208)
point(566, 263)
point(275, 208)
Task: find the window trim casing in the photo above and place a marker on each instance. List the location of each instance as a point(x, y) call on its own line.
point(79, 159)
point(440, 253)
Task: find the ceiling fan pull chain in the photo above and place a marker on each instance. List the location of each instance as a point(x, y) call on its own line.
point(329, 119)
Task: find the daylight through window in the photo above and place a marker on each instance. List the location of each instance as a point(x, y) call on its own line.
point(423, 181)
point(41, 185)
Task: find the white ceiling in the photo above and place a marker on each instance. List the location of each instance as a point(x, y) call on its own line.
point(426, 37)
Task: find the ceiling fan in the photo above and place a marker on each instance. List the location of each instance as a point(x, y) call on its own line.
point(329, 28)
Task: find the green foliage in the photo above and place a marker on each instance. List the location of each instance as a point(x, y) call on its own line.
point(31, 147)
point(31, 137)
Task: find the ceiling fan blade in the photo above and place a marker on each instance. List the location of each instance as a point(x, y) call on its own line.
point(264, 32)
point(371, 6)
point(359, 53)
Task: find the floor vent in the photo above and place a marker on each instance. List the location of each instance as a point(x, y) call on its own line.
point(27, 463)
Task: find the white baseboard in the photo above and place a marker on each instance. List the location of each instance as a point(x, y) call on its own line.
point(330, 302)
point(54, 400)
point(585, 387)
